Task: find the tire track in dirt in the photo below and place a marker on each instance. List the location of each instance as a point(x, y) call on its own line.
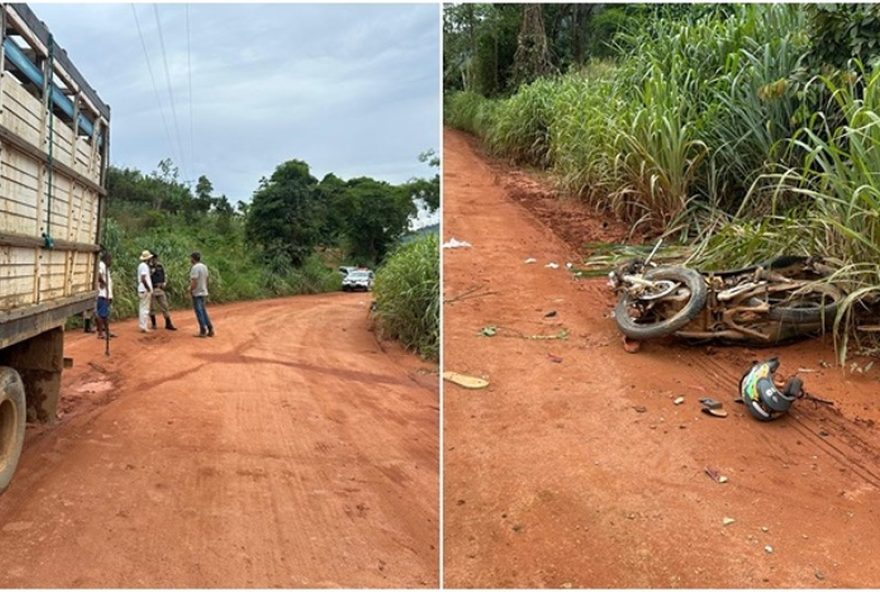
point(288, 451)
point(575, 468)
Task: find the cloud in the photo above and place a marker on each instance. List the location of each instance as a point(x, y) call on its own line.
point(350, 89)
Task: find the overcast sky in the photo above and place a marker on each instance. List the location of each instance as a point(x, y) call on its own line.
point(350, 89)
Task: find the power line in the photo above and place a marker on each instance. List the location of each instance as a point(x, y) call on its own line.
point(192, 141)
point(168, 81)
point(153, 80)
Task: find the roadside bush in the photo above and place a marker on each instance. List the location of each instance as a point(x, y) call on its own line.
point(407, 292)
point(236, 273)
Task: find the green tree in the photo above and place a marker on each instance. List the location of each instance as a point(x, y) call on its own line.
point(203, 199)
point(284, 218)
point(426, 190)
point(376, 215)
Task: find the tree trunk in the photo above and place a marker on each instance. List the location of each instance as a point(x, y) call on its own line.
point(532, 57)
point(577, 41)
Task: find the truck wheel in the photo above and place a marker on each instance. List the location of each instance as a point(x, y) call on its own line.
point(12, 422)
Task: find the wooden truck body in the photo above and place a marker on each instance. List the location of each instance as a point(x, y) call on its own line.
point(54, 141)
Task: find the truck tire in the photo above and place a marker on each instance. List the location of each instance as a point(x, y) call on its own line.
point(12, 423)
point(688, 277)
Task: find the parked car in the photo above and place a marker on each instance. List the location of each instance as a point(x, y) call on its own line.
point(359, 279)
point(346, 269)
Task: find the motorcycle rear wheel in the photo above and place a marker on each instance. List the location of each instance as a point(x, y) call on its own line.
point(814, 307)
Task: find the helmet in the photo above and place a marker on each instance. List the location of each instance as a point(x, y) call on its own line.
point(763, 400)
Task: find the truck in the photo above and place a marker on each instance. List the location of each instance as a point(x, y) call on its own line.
point(54, 146)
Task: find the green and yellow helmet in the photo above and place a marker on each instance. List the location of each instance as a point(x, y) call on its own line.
point(759, 393)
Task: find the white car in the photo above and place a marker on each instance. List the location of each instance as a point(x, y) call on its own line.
point(359, 279)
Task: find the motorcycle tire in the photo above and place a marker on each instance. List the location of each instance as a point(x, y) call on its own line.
point(824, 313)
point(699, 292)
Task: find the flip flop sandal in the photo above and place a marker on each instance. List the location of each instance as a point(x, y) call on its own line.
point(714, 412)
point(463, 380)
point(710, 403)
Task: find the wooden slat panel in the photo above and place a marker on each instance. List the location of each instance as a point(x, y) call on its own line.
point(60, 206)
point(18, 192)
point(62, 141)
point(84, 164)
point(21, 110)
point(16, 277)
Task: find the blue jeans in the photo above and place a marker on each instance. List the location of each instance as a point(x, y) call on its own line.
point(202, 314)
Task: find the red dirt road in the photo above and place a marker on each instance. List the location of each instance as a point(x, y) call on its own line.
point(289, 451)
point(575, 469)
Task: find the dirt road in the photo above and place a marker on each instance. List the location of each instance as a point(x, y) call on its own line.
point(575, 468)
point(288, 451)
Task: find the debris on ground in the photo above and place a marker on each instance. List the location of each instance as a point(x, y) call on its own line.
point(454, 243)
point(715, 475)
point(475, 292)
point(678, 401)
point(562, 334)
point(552, 265)
point(630, 346)
point(554, 358)
point(530, 260)
point(768, 549)
point(489, 331)
point(640, 409)
point(465, 381)
point(549, 314)
point(727, 521)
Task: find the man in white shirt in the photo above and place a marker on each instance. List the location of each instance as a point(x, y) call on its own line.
point(105, 294)
point(145, 291)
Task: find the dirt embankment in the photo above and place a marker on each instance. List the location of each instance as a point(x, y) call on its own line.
point(575, 468)
point(289, 451)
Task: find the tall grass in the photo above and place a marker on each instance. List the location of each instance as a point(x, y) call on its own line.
point(407, 293)
point(714, 131)
point(829, 203)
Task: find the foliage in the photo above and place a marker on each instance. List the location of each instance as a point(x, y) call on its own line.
point(376, 214)
point(751, 130)
point(407, 292)
point(289, 240)
point(841, 32)
point(235, 273)
point(284, 220)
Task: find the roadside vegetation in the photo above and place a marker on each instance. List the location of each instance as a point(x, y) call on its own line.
point(289, 239)
point(407, 292)
point(742, 131)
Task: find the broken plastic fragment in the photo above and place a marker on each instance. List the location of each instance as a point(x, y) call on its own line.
point(463, 380)
point(454, 243)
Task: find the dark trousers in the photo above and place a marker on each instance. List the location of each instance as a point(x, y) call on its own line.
point(202, 314)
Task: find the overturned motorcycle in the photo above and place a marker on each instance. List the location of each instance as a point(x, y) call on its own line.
point(776, 301)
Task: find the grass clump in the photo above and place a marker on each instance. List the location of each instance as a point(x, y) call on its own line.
point(407, 293)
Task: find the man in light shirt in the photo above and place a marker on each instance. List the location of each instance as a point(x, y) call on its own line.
point(198, 287)
point(145, 291)
point(105, 294)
